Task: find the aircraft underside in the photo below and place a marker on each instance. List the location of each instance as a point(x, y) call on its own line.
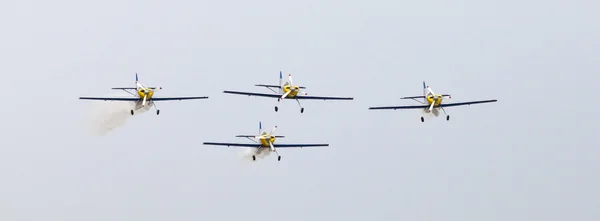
point(264, 150)
point(435, 112)
point(139, 107)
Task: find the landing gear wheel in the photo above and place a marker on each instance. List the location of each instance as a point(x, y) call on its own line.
point(157, 112)
point(253, 158)
point(131, 112)
point(276, 108)
point(278, 158)
point(301, 110)
point(448, 117)
point(422, 119)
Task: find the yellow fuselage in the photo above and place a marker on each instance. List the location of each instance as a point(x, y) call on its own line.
point(143, 93)
point(264, 141)
point(430, 99)
point(292, 94)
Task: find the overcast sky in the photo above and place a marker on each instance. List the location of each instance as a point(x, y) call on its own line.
point(533, 155)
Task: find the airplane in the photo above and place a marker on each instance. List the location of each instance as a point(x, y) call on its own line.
point(264, 142)
point(431, 103)
point(287, 91)
point(144, 95)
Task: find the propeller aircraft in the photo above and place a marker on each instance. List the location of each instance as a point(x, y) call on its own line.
point(287, 90)
point(143, 96)
point(264, 142)
point(431, 103)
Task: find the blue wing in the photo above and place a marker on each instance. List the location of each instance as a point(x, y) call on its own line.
point(232, 144)
point(466, 103)
point(111, 98)
point(299, 97)
point(426, 106)
point(299, 145)
point(176, 98)
point(303, 97)
point(253, 94)
point(137, 99)
point(399, 107)
point(258, 145)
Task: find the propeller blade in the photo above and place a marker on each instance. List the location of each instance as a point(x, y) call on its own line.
point(273, 131)
point(286, 94)
point(430, 91)
point(141, 86)
point(272, 147)
point(431, 106)
point(144, 102)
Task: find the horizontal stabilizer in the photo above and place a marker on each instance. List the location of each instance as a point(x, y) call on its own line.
point(417, 97)
point(129, 88)
point(251, 136)
point(273, 86)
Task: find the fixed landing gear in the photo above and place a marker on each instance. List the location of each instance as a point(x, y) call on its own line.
point(253, 158)
point(447, 117)
point(301, 108)
point(276, 108)
point(157, 112)
point(278, 158)
point(422, 119)
point(131, 112)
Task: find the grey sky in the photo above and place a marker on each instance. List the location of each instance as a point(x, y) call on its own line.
point(531, 156)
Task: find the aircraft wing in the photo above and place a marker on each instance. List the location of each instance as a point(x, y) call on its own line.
point(303, 97)
point(426, 106)
point(111, 98)
point(399, 107)
point(129, 88)
point(232, 144)
point(176, 98)
point(299, 97)
point(273, 86)
point(466, 103)
point(299, 145)
point(253, 94)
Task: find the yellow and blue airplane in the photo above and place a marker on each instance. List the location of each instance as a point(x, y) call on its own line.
point(287, 90)
point(264, 142)
point(431, 103)
point(143, 96)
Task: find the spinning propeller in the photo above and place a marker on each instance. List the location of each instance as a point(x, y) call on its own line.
point(289, 83)
point(435, 98)
point(145, 89)
point(267, 137)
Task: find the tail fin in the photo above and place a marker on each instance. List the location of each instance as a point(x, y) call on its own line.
point(136, 77)
point(259, 128)
point(280, 81)
point(425, 92)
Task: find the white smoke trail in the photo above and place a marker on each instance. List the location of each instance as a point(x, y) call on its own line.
point(107, 116)
point(248, 152)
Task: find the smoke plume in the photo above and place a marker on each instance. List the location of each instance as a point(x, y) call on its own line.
point(107, 116)
point(247, 153)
